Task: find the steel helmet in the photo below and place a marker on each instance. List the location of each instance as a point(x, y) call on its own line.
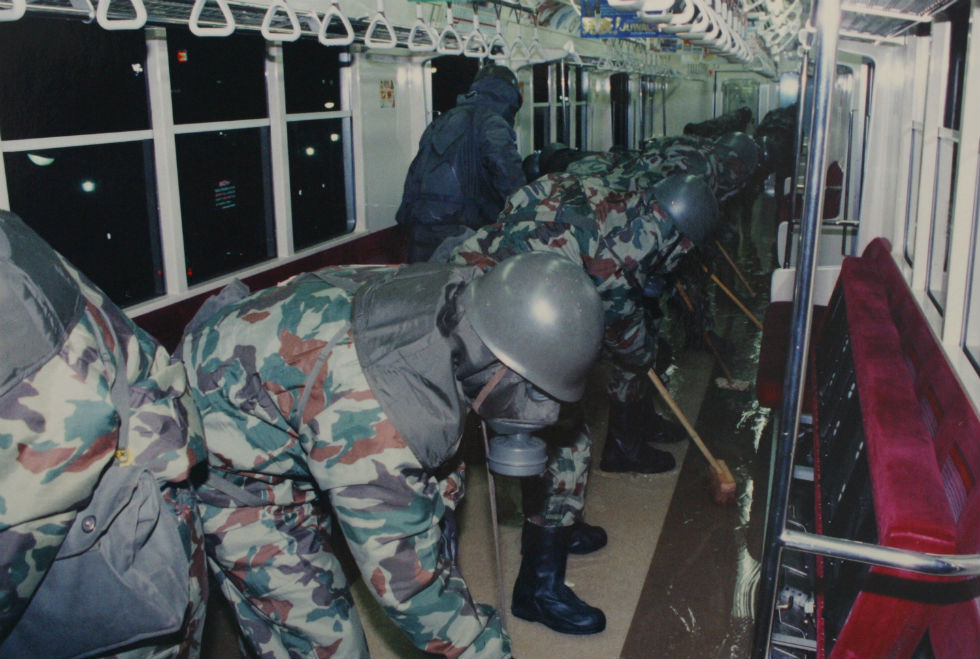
point(539, 314)
point(743, 145)
point(689, 203)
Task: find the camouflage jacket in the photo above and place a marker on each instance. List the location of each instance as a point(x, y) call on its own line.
point(58, 434)
point(619, 237)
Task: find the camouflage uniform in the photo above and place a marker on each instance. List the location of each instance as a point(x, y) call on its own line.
point(284, 429)
point(618, 237)
point(58, 435)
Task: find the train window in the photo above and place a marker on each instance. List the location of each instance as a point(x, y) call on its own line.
point(312, 75)
point(225, 204)
point(216, 79)
point(452, 75)
point(580, 94)
point(942, 211)
point(912, 191)
point(971, 343)
point(959, 19)
point(46, 61)
point(620, 102)
point(316, 177)
point(95, 204)
point(541, 104)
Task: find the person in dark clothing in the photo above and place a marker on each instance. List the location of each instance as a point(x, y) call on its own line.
point(466, 166)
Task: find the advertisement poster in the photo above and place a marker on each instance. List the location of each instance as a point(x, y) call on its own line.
point(600, 21)
point(387, 93)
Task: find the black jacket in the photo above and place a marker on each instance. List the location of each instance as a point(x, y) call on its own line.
point(466, 167)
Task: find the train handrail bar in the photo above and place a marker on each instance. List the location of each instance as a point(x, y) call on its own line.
point(334, 12)
point(194, 22)
point(943, 565)
point(134, 23)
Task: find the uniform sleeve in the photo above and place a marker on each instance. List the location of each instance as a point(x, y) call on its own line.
point(500, 158)
point(391, 522)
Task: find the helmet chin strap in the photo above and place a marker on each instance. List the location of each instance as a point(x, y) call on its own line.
point(494, 380)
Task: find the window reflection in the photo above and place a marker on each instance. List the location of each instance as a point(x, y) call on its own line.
point(942, 224)
point(316, 176)
point(48, 91)
point(216, 79)
point(96, 205)
point(225, 201)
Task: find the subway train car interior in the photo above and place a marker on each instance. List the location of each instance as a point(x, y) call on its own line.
point(683, 295)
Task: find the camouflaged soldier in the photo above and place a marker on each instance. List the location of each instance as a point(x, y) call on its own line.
point(340, 396)
point(620, 239)
point(103, 549)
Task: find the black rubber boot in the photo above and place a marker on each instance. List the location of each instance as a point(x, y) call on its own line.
point(540, 593)
point(625, 448)
point(653, 426)
point(583, 538)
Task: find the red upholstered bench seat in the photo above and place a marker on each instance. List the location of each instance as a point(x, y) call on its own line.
point(773, 352)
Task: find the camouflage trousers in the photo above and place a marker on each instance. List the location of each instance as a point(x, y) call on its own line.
point(557, 497)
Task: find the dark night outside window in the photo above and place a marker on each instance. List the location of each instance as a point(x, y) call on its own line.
point(540, 82)
point(312, 75)
point(216, 79)
point(620, 98)
point(56, 77)
point(316, 176)
point(542, 134)
point(452, 75)
point(581, 125)
point(96, 206)
point(225, 201)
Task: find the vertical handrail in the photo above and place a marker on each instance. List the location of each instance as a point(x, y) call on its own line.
point(194, 23)
point(827, 14)
point(332, 13)
point(797, 152)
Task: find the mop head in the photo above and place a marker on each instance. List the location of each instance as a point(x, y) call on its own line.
point(732, 385)
point(722, 484)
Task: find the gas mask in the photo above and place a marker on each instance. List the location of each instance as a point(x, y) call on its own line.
point(513, 408)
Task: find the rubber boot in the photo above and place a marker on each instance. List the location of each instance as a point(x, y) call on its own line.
point(583, 538)
point(626, 450)
point(655, 428)
point(540, 593)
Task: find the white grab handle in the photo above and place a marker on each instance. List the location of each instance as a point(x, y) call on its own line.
point(280, 35)
point(445, 47)
point(135, 23)
point(380, 21)
point(475, 45)
point(332, 13)
point(219, 31)
point(15, 11)
point(422, 29)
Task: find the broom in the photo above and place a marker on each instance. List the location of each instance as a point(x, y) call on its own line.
point(721, 481)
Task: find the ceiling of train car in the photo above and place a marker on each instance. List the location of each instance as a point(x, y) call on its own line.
point(886, 20)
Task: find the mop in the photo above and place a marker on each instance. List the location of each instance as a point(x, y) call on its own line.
point(720, 480)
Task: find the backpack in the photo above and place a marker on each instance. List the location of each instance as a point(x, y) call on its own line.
point(121, 574)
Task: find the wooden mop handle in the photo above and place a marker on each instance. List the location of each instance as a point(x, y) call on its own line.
point(735, 299)
point(683, 419)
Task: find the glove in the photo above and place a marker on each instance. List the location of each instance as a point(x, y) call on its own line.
point(449, 545)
